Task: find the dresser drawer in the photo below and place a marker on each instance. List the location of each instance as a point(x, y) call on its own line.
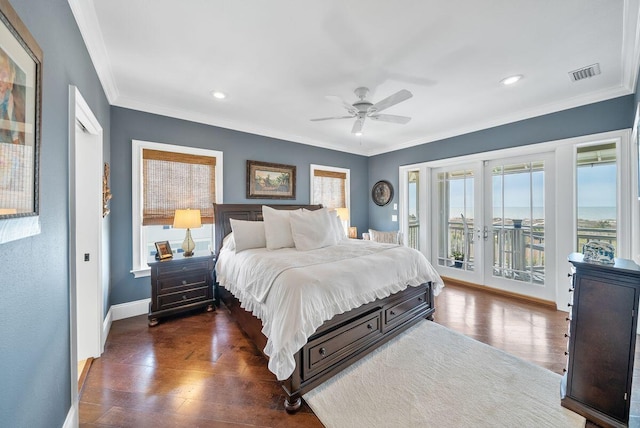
point(398, 311)
point(171, 300)
point(332, 347)
point(191, 279)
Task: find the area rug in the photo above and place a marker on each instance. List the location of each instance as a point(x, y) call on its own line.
point(431, 376)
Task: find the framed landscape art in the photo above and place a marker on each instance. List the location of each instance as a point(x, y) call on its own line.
point(270, 180)
point(20, 111)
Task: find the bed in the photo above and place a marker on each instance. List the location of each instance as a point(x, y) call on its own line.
point(338, 334)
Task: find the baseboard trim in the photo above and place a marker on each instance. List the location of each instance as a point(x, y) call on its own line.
point(72, 417)
point(129, 309)
point(106, 327)
point(499, 292)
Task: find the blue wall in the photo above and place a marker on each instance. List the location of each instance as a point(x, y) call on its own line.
point(237, 147)
point(604, 116)
point(34, 309)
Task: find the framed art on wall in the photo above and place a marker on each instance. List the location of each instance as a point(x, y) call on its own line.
point(270, 180)
point(20, 111)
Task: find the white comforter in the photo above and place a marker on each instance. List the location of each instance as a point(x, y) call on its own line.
point(294, 292)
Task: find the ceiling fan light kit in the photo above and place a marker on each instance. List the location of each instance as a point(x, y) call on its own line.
point(363, 109)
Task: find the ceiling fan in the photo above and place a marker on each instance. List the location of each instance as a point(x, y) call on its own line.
point(362, 109)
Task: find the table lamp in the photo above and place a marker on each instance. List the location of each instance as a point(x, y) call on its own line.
point(187, 219)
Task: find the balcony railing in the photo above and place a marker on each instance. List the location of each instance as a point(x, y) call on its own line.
point(518, 251)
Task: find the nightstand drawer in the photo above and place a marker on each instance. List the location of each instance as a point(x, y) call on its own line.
point(167, 301)
point(170, 284)
point(184, 266)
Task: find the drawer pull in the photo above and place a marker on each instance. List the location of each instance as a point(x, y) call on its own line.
point(569, 304)
point(420, 299)
point(568, 319)
point(323, 352)
point(571, 290)
point(566, 353)
point(392, 312)
point(569, 275)
point(184, 297)
point(567, 335)
point(184, 282)
point(369, 326)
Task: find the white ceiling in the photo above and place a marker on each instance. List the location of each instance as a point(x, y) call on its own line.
point(278, 59)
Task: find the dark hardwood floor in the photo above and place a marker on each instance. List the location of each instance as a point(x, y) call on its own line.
point(200, 370)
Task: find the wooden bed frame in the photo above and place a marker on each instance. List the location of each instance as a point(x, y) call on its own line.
point(337, 343)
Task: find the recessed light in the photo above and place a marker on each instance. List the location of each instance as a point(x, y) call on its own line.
point(219, 95)
point(358, 134)
point(511, 79)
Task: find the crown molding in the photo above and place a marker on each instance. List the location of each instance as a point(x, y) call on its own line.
point(87, 20)
point(247, 128)
point(565, 104)
point(631, 44)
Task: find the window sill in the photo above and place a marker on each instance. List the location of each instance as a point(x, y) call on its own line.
point(142, 272)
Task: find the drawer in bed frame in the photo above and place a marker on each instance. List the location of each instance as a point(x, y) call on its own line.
point(344, 339)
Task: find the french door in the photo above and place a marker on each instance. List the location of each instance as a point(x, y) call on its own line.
point(491, 223)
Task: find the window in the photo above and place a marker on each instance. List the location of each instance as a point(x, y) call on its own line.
point(165, 178)
point(330, 186)
point(596, 199)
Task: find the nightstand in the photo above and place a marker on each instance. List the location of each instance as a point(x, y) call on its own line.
point(180, 285)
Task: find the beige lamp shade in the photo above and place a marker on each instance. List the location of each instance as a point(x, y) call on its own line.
point(187, 219)
point(343, 213)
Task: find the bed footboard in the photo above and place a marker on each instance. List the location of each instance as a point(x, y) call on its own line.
point(344, 339)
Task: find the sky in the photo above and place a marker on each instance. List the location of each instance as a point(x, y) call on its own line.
point(596, 187)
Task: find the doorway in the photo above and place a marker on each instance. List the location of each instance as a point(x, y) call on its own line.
point(85, 234)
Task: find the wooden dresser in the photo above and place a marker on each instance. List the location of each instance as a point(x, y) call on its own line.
point(602, 340)
point(179, 285)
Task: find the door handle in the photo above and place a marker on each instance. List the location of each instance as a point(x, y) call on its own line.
point(485, 233)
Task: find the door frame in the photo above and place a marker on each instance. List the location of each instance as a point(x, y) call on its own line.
point(476, 275)
point(79, 111)
point(548, 290)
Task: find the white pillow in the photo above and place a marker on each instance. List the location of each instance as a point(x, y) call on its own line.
point(228, 242)
point(277, 228)
point(248, 234)
point(338, 228)
point(384, 237)
point(312, 229)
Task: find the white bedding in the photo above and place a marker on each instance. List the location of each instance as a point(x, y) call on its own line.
point(294, 292)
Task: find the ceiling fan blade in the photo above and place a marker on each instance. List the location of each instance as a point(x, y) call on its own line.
point(330, 118)
point(391, 100)
point(351, 109)
point(357, 126)
point(391, 118)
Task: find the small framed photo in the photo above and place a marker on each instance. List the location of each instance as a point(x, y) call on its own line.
point(270, 180)
point(164, 250)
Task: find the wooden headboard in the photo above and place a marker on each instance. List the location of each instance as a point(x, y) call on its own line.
point(250, 212)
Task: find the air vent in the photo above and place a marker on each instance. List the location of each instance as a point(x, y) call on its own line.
point(584, 73)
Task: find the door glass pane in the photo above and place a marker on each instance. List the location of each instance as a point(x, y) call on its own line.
point(455, 220)
point(596, 190)
point(413, 239)
point(518, 221)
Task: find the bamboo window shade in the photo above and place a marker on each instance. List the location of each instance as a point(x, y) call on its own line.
point(174, 181)
point(329, 188)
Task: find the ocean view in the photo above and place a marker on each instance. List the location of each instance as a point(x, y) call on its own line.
point(584, 213)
